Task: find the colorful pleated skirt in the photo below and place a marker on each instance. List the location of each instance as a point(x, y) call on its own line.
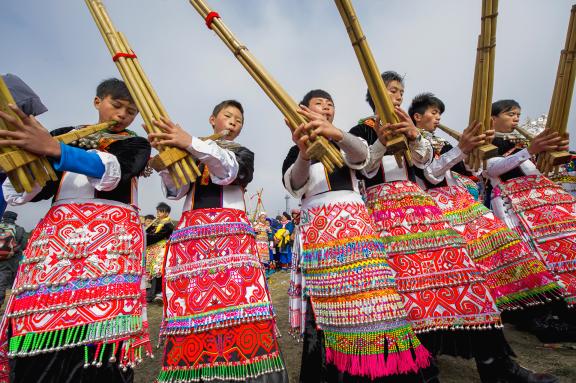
point(545, 216)
point(352, 290)
point(443, 291)
point(515, 276)
point(80, 285)
point(218, 319)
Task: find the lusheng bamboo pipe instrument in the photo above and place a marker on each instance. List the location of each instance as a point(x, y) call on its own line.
point(451, 132)
point(319, 149)
point(28, 169)
point(396, 144)
point(561, 98)
point(11, 160)
point(483, 85)
point(524, 133)
point(180, 164)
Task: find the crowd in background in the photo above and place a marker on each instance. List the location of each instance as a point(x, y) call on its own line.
point(275, 240)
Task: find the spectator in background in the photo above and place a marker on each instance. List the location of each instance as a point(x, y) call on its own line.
point(148, 219)
point(157, 235)
point(262, 229)
point(282, 241)
point(12, 243)
point(272, 247)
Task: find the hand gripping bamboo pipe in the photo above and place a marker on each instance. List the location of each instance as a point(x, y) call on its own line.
point(396, 144)
point(11, 160)
point(180, 163)
point(483, 85)
point(561, 98)
point(320, 149)
point(26, 169)
point(158, 163)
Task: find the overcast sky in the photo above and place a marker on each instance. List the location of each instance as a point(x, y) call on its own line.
point(56, 48)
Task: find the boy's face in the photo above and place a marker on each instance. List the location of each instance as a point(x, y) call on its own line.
point(323, 106)
point(148, 221)
point(121, 111)
point(161, 214)
point(506, 122)
point(429, 120)
point(230, 118)
point(396, 92)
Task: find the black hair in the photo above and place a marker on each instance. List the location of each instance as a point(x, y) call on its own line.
point(114, 88)
point(227, 103)
point(388, 77)
point(149, 216)
point(163, 207)
point(502, 106)
point(288, 217)
point(316, 93)
point(422, 102)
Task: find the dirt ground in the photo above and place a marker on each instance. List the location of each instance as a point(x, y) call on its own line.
point(559, 360)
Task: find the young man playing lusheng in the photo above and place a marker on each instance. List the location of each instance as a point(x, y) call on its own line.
point(355, 329)
point(78, 310)
point(443, 291)
point(515, 277)
point(218, 320)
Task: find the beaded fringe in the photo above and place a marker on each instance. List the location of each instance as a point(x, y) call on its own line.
point(412, 243)
point(100, 332)
point(533, 297)
point(495, 323)
point(342, 251)
point(211, 230)
point(376, 354)
point(224, 317)
point(463, 216)
point(490, 244)
point(238, 373)
point(130, 354)
point(541, 232)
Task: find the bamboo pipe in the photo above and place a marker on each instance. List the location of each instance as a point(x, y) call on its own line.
point(491, 62)
point(451, 132)
point(320, 149)
point(482, 88)
point(270, 87)
point(485, 61)
point(561, 87)
point(130, 73)
point(525, 133)
point(477, 70)
point(569, 73)
point(561, 98)
point(147, 101)
point(9, 161)
point(38, 171)
point(376, 87)
point(280, 98)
